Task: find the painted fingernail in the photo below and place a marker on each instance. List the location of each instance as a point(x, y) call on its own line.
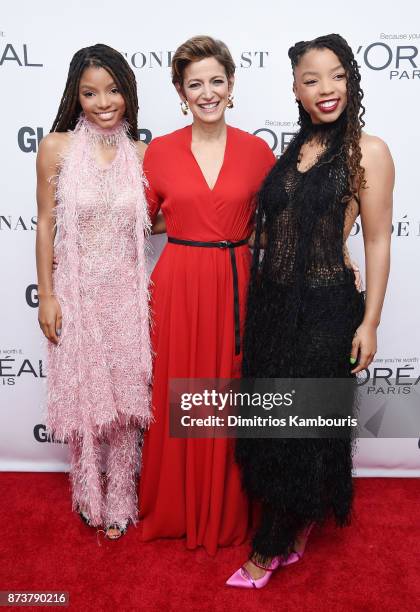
point(58, 332)
point(353, 360)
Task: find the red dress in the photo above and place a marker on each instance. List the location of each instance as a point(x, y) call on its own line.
point(191, 487)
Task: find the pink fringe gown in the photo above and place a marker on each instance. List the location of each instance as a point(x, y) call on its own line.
point(99, 374)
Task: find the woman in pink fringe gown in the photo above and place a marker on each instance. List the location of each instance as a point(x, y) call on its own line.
point(94, 307)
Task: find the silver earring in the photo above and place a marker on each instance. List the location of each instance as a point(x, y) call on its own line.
point(184, 107)
point(230, 101)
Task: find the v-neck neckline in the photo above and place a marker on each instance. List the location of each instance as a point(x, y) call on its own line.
point(211, 189)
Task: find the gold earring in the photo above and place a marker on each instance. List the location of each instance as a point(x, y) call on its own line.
point(184, 107)
point(230, 101)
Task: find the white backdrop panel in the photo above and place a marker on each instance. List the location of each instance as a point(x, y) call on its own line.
point(37, 41)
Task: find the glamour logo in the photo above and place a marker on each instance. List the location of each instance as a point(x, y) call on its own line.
point(163, 59)
point(28, 138)
point(403, 228)
point(13, 223)
point(31, 296)
point(13, 366)
point(16, 55)
point(41, 435)
point(400, 61)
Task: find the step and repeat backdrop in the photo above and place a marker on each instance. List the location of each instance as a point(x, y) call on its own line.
point(37, 41)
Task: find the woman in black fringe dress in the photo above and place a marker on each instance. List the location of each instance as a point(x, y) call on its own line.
point(305, 317)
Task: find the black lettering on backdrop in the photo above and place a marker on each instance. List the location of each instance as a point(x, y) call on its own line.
point(5, 364)
point(31, 295)
point(138, 59)
point(401, 228)
point(145, 135)
point(7, 222)
point(272, 135)
point(41, 434)
point(27, 368)
point(410, 57)
point(28, 139)
point(286, 137)
point(273, 140)
point(247, 57)
point(11, 55)
point(373, 46)
point(379, 56)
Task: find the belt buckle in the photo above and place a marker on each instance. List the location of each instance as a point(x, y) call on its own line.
point(224, 244)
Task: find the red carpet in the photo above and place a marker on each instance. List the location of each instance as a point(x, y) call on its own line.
point(371, 566)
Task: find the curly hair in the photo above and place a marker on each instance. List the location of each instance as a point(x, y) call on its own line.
point(113, 62)
point(354, 110)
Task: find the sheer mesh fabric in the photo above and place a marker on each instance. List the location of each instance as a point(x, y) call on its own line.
point(302, 311)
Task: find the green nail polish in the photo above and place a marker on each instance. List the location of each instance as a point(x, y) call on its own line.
point(353, 360)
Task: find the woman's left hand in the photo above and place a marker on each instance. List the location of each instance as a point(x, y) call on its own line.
point(363, 347)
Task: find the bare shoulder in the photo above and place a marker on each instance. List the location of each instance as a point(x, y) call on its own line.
point(377, 162)
point(141, 149)
point(53, 146)
point(373, 148)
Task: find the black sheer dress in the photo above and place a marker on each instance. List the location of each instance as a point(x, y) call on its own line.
point(303, 309)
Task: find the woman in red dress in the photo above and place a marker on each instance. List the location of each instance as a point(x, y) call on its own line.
point(203, 178)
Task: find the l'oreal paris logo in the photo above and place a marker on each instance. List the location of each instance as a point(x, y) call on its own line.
point(17, 55)
point(13, 366)
point(401, 62)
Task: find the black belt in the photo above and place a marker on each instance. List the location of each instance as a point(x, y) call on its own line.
point(224, 244)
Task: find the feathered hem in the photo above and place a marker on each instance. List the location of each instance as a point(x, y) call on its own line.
point(100, 430)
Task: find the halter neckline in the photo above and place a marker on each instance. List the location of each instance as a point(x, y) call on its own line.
point(106, 136)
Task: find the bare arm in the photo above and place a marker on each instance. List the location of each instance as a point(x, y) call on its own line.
point(159, 226)
point(376, 217)
point(49, 316)
point(141, 149)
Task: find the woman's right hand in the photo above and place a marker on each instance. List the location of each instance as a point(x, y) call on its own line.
point(159, 226)
point(263, 240)
point(50, 317)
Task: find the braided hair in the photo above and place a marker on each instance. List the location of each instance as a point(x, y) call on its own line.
point(354, 110)
point(113, 62)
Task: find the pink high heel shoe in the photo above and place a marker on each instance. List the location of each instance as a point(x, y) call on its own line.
point(297, 555)
point(243, 579)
